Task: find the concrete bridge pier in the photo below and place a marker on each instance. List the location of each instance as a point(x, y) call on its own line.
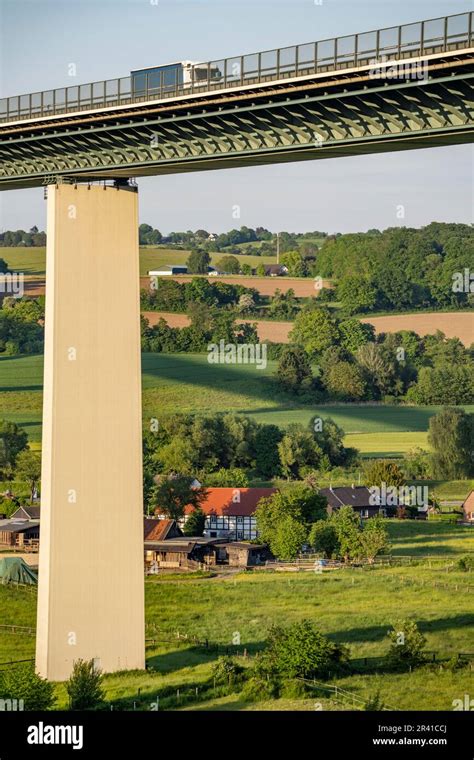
point(91, 585)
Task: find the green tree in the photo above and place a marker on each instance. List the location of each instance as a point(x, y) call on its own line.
point(346, 525)
point(288, 539)
point(355, 334)
point(22, 682)
point(13, 440)
point(226, 477)
point(298, 449)
point(323, 538)
point(267, 457)
point(172, 495)
point(344, 381)
point(378, 366)
point(296, 264)
point(301, 502)
point(407, 647)
point(226, 670)
point(294, 369)
point(451, 436)
point(300, 650)
point(356, 294)
point(84, 686)
point(28, 468)
point(383, 471)
point(373, 538)
point(260, 270)
point(198, 261)
point(195, 524)
point(177, 456)
point(315, 330)
point(228, 265)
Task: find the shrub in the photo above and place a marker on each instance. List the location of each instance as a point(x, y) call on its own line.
point(407, 646)
point(23, 683)
point(466, 563)
point(258, 688)
point(301, 651)
point(226, 670)
point(84, 686)
point(291, 688)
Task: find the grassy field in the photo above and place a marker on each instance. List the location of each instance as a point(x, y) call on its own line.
point(32, 261)
point(352, 606)
point(188, 383)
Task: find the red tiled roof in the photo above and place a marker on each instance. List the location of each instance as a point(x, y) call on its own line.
point(157, 530)
point(238, 502)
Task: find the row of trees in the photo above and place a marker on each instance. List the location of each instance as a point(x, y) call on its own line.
point(400, 268)
point(172, 295)
point(15, 238)
point(219, 449)
point(355, 365)
point(208, 325)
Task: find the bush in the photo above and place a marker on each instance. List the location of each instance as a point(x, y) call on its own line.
point(301, 651)
point(258, 689)
point(23, 683)
point(226, 670)
point(407, 647)
point(466, 563)
point(291, 688)
point(84, 686)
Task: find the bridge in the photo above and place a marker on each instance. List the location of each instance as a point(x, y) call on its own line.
point(404, 87)
point(390, 89)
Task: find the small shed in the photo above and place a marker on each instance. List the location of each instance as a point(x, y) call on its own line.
point(241, 554)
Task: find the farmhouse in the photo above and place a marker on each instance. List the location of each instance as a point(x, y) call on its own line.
point(358, 497)
point(230, 512)
point(275, 270)
point(468, 507)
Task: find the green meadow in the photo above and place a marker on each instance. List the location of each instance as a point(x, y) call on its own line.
point(188, 383)
point(32, 261)
point(352, 606)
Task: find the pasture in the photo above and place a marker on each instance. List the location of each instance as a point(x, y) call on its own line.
point(188, 383)
point(352, 606)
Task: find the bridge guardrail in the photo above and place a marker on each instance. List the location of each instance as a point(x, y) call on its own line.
point(417, 39)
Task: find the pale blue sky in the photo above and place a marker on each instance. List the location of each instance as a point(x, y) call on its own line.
point(107, 38)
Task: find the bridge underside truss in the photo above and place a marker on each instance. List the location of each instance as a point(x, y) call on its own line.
point(304, 123)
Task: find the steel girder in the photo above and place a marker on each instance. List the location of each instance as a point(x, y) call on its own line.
point(382, 116)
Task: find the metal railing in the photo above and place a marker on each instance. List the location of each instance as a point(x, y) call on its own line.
point(421, 38)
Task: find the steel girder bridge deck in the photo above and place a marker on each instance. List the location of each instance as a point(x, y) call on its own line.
point(363, 96)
